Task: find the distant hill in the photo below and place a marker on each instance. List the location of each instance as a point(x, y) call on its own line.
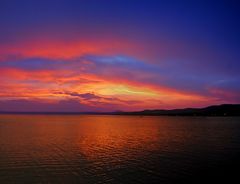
point(217, 110)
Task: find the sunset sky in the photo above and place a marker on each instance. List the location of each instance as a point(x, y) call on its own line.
point(107, 55)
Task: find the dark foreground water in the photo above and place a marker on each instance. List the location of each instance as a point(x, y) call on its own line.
point(118, 149)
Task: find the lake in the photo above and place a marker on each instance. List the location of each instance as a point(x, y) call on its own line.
point(118, 149)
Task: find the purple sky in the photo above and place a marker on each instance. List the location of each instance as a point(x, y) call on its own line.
point(105, 55)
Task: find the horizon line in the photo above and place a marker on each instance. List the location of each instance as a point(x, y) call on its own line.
point(106, 112)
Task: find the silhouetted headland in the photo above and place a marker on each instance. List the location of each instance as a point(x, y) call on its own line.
point(215, 110)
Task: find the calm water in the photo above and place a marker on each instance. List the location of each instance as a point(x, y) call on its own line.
point(117, 149)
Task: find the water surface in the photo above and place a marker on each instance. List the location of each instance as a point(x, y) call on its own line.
point(117, 149)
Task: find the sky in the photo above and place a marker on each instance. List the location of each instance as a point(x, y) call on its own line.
point(110, 55)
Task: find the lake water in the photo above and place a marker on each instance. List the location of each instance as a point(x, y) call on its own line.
point(118, 149)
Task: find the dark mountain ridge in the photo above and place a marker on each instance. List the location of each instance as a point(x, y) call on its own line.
point(216, 110)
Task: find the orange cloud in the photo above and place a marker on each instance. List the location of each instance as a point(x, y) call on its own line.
point(60, 49)
point(48, 84)
point(52, 85)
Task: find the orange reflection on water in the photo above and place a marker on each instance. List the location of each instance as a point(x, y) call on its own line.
point(55, 138)
point(99, 149)
point(93, 137)
point(108, 136)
